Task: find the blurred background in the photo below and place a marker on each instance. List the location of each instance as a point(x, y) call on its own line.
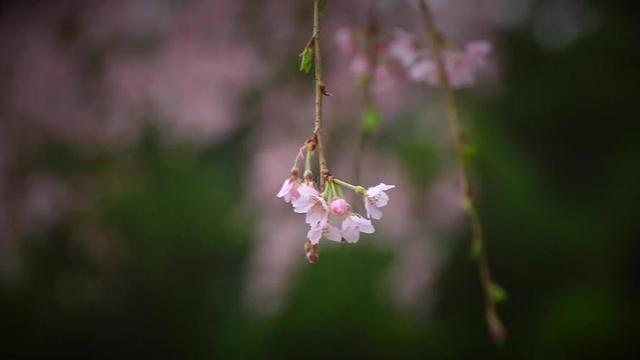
point(142, 143)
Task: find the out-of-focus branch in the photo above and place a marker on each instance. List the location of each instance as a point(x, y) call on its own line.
point(371, 43)
point(496, 328)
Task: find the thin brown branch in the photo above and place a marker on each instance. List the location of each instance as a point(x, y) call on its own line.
point(494, 323)
point(320, 92)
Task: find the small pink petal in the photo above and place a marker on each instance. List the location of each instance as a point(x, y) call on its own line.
point(339, 207)
point(332, 233)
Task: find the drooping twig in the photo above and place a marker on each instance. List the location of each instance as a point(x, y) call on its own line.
point(496, 328)
point(320, 92)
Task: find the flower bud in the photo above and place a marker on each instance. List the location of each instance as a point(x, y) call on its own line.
point(340, 207)
point(312, 252)
point(496, 329)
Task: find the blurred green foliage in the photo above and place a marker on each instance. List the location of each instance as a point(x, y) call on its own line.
point(555, 157)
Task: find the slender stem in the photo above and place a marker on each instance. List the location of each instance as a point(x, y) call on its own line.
point(319, 93)
point(297, 159)
point(307, 161)
point(493, 320)
point(358, 189)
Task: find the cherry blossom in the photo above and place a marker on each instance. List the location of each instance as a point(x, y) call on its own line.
point(460, 69)
point(417, 63)
point(375, 198)
point(425, 70)
point(346, 41)
point(325, 230)
point(478, 51)
point(289, 191)
point(353, 225)
point(359, 65)
point(311, 203)
point(403, 48)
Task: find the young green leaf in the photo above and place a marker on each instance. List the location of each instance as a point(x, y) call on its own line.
point(468, 152)
point(498, 294)
point(322, 5)
point(467, 204)
point(371, 119)
point(306, 60)
point(476, 249)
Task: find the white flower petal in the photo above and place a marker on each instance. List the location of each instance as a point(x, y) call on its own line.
point(373, 212)
point(314, 234)
point(380, 200)
point(286, 187)
point(307, 191)
point(374, 190)
point(367, 206)
point(302, 205)
point(352, 235)
point(365, 226)
point(316, 215)
point(332, 233)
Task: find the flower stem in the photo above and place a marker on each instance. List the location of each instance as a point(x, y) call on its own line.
point(307, 161)
point(358, 189)
point(297, 159)
point(496, 328)
point(319, 93)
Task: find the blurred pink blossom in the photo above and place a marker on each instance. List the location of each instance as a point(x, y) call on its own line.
point(346, 40)
point(360, 65)
point(403, 47)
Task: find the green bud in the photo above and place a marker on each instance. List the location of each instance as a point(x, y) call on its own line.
point(476, 249)
point(322, 5)
point(498, 294)
point(306, 60)
point(371, 119)
point(468, 152)
point(467, 204)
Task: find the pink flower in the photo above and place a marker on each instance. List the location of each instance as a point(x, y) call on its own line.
point(375, 199)
point(311, 203)
point(289, 191)
point(383, 78)
point(346, 41)
point(325, 230)
point(460, 69)
point(403, 47)
point(353, 225)
point(478, 51)
point(340, 207)
point(360, 65)
point(425, 70)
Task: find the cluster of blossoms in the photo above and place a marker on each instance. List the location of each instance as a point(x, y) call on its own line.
point(327, 212)
point(401, 54)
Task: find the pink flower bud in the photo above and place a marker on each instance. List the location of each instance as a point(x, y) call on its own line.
point(340, 207)
point(360, 65)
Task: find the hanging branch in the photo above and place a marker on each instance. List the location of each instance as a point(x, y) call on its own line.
point(370, 44)
point(492, 292)
point(320, 92)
